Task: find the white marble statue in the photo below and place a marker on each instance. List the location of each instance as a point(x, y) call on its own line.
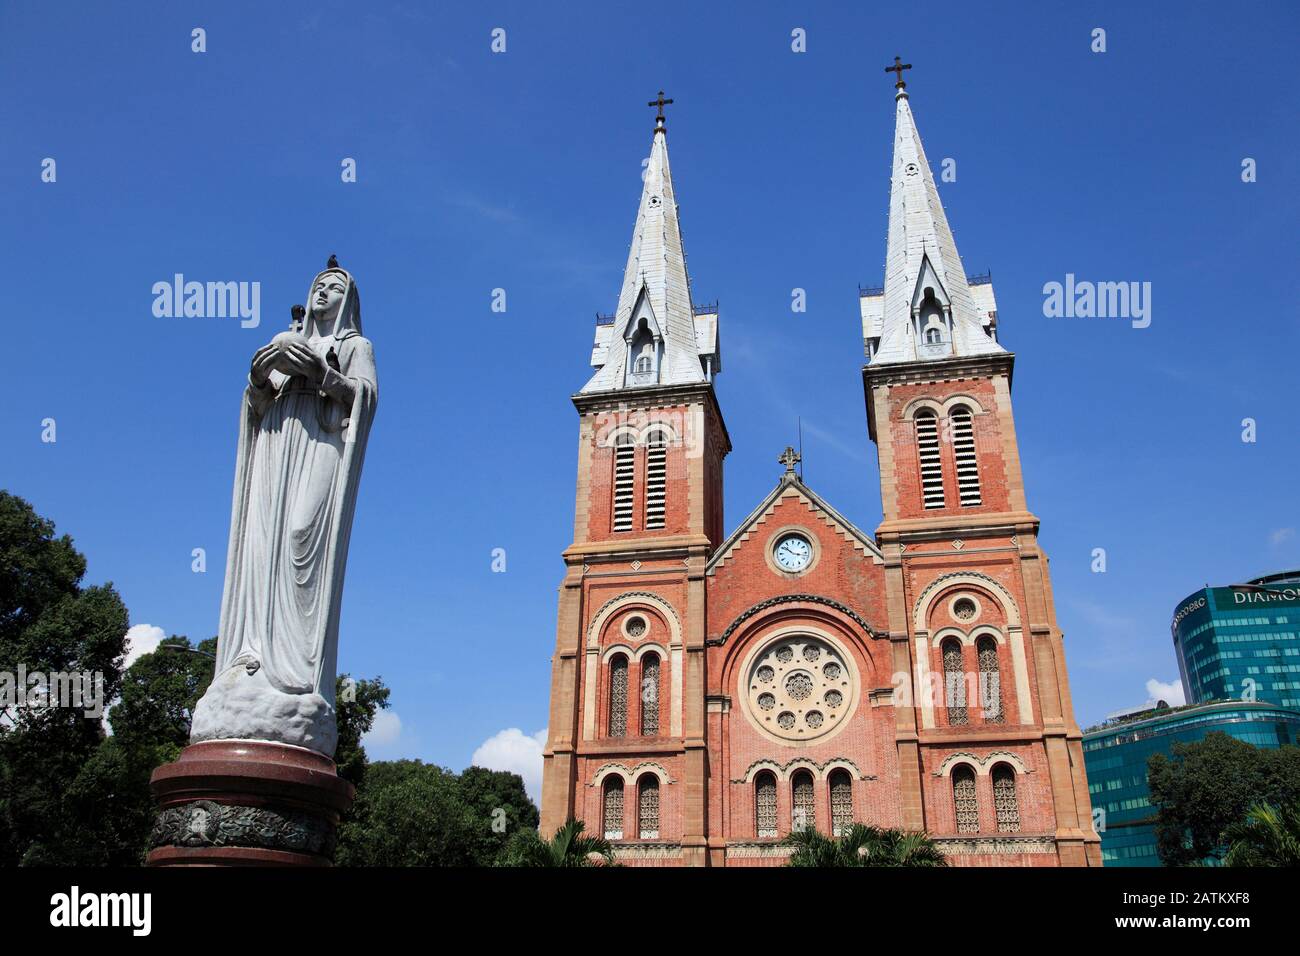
point(306, 415)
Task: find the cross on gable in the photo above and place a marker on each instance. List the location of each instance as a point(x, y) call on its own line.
point(790, 458)
point(898, 68)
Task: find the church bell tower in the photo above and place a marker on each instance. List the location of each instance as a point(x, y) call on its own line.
point(960, 544)
point(628, 668)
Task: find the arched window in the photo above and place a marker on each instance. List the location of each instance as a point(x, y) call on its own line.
point(624, 476)
point(650, 696)
point(841, 802)
point(990, 680)
point(803, 811)
point(618, 696)
point(963, 449)
point(954, 683)
point(1004, 799)
point(965, 801)
point(765, 804)
point(933, 335)
point(647, 807)
point(927, 446)
point(656, 480)
point(612, 808)
point(645, 361)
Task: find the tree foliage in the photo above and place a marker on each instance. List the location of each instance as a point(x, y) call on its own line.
point(409, 813)
point(568, 847)
point(49, 623)
point(1208, 786)
point(863, 845)
point(1269, 836)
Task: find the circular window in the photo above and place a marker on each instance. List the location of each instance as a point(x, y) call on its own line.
point(963, 609)
point(791, 700)
point(635, 627)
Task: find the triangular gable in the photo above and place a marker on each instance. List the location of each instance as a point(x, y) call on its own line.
point(791, 487)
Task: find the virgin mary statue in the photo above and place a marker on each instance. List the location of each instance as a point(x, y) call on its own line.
point(306, 416)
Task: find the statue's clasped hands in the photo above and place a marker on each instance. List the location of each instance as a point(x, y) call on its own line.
point(290, 354)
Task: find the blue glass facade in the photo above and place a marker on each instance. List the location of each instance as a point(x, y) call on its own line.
point(1241, 642)
point(1116, 754)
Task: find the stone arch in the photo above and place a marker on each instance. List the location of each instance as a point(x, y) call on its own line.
point(670, 434)
point(610, 438)
point(671, 657)
point(917, 404)
point(982, 766)
point(995, 589)
point(962, 399)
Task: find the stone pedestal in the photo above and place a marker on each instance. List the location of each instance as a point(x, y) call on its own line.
point(247, 803)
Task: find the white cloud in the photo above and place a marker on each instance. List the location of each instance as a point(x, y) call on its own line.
point(516, 752)
point(142, 639)
point(1171, 693)
point(1281, 536)
point(385, 730)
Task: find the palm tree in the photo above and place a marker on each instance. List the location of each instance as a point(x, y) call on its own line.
point(567, 848)
point(1269, 836)
point(863, 845)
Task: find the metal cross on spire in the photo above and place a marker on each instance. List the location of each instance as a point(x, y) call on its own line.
point(790, 458)
point(660, 103)
point(898, 68)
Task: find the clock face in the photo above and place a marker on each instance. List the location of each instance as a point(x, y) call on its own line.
point(793, 552)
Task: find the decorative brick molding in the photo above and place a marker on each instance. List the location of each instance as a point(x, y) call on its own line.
point(630, 774)
point(647, 851)
point(762, 606)
point(756, 850)
point(820, 770)
point(994, 845)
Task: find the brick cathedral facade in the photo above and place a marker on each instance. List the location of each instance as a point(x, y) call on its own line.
point(710, 692)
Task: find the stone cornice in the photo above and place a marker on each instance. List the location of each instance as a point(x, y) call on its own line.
point(655, 396)
point(993, 524)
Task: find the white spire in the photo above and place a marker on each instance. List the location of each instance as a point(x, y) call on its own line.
point(926, 294)
point(655, 321)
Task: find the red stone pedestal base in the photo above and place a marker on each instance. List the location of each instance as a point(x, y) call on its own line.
point(247, 803)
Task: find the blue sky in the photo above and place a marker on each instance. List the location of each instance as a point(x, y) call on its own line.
point(521, 170)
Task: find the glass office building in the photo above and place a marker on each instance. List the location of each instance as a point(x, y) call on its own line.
point(1241, 642)
point(1116, 753)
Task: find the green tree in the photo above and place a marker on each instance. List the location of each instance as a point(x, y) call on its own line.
point(409, 813)
point(500, 806)
point(863, 845)
point(1211, 784)
point(1269, 836)
point(110, 797)
point(568, 847)
point(49, 623)
point(357, 703)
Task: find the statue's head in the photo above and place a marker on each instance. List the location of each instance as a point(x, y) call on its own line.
point(333, 304)
point(327, 296)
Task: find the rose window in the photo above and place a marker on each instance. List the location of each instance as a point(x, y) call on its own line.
point(799, 685)
point(799, 688)
point(636, 627)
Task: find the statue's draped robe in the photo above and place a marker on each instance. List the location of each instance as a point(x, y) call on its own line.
point(301, 447)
